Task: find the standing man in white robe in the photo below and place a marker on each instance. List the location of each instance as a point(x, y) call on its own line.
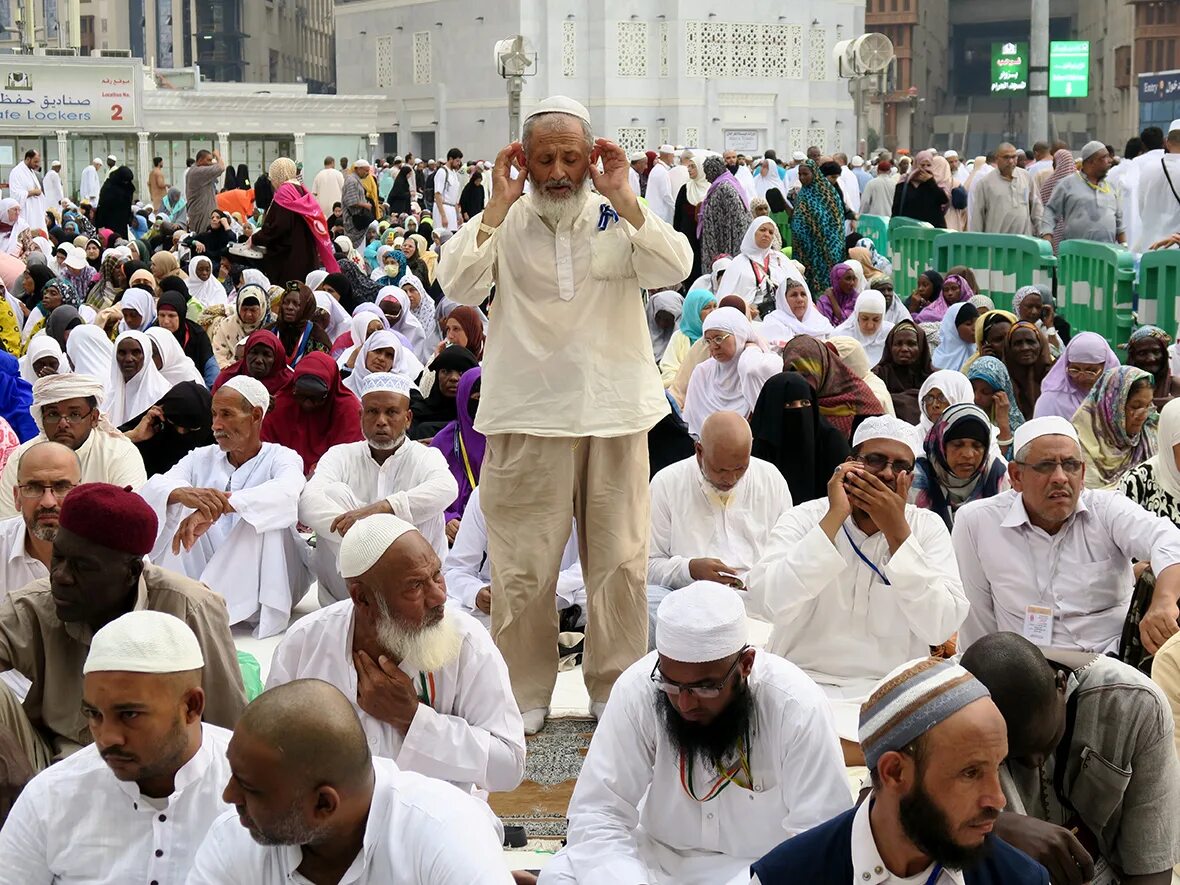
point(447, 188)
point(54, 192)
point(91, 182)
point(568, 268)
point(384, 473)
point(227, 513)
point(678, 787)
point(24, 184)
point(428, 684)
point(660, 196)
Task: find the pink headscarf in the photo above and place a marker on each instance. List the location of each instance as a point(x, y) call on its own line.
point(1059, 395)
point(936, 309)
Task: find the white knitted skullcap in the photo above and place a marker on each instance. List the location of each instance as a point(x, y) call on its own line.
point(704, 621)
point(888, 427)
point(390, 382)
point(1047, 425)
point(367, 540)
point(560, 104)
point(144, 642)
point(252, 389)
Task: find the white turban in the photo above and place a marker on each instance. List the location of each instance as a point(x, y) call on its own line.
point(55, 388)
point(252, 389)
point(386, 381)
point(704, 621)
point(888, 427)
point(144, 642)
point(1048, 425)
point(367, 540)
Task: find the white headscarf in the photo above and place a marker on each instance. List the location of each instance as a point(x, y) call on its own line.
point(696, 188)
point(376, 341)
point(408, 323)
point(955, 389)
point(952, 351)
point(253, 275)
point(338, 319)
point(767, 179)
point(1163, 462)
point(42, 345)
point(749, 249)
point(91, 352)
point(175, 364)
point(143, 303)
point(782, 325)
point(313, 279)
point(867, 302)
point(663, 302)
point(128, 400)
point(208, 292)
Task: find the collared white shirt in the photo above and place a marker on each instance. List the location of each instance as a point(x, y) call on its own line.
point(418, 831)
point(632, 821)
point(447, 185)
point(660, 196)
point(568, 352)
point(76, 823)
point(691, 519)
point(471, 733)
point(1083, 572)
point(17, 568)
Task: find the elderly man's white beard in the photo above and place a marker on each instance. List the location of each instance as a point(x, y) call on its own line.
point(556, 210)
point(423, 648)
point(386, 446)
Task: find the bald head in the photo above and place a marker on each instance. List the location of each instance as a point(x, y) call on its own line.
point(49, 456)
point(45, 474)
point(724, 450)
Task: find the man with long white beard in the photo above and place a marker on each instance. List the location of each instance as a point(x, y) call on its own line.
point(431, 691)
point(568, 268)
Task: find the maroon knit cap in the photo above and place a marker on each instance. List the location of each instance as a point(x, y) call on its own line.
point(110, 516)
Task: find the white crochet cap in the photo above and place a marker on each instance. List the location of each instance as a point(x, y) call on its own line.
point(704, 621)
point(390, 382)
point(252, 389)
point(560, 104)
point(144, 642)
point(888, 427)
point(367, 540)
point(1047, 425)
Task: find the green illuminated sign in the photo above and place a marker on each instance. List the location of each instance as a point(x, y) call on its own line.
point(1069, 69)
point(1009, 67)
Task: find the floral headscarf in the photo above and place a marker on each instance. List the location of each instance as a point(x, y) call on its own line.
point(995, 374)
point(935, 484)
point(1101, 423)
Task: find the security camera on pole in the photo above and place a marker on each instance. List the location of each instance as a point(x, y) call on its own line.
point(515, 59)
point(869, 55)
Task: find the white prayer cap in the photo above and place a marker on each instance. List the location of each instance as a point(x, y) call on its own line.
point(951, 155)
point(398, 160)
point(367, 540)
point(252, 389)
point(1090, 148)
point(361, 163)
point(858, 160)
point(386, 381)
point(112, 157)
point(798, 156)
point(55, 163)
point(704, 621)
point(636, 156)
point(1174, 126)
point(666, 149)
point(144, 642)
point(560, 104)
point(96, 160)
point(888, 427)
point(1048, 425)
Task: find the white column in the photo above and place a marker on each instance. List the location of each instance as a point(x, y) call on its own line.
point(63, 154)
point(223, 147)
point(144, 163)
point(298, 146)
point(373, 138)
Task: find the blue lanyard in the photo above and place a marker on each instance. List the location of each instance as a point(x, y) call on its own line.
point(935, 874)
point(887, 583)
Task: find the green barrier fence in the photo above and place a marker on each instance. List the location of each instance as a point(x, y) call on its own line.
point(1002, 263)
point(911, 249)
point(1095, 283)
point(876, 229)
point(1159, 289)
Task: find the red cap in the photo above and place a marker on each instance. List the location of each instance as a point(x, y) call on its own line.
point(111, 517)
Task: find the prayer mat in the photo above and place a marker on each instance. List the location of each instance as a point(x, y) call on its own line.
point(551, 768)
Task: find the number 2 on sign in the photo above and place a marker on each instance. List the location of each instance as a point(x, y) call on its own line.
point(116, 112)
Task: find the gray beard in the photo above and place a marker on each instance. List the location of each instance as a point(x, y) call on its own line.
point(387, 447)
point(557, 210)
point(43, 532)
point(428, 649)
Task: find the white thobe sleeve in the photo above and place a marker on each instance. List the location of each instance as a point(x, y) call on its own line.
point(127, 468)
point(659, 253)
point(432, 495)
point(214, 863)
point(797, 563)
point(20, 182)
point(1137, 533)
point(981, 613)
point(319, 502)
point(156, 491)
point(664, 568)
point(273, 504)
point(284, 663)
point(467, 569)
point(23, 842)
point(465, 270)
point(924, 579)
point(483, 742)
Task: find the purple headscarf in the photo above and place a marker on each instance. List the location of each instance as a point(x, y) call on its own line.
point(1059, 394)
point(474, 443)
point(825, 306)
point(936, 309)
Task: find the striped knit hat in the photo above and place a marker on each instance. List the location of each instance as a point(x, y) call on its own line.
point(911, 701)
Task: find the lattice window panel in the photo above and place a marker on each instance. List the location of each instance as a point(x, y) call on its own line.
point(385, 60)
point(692, 136)
point(737, 49)
point(817, 55)
point(568, 49)
point(664, 64)
point(817, 137)
point(631, 49)
point(632, 138)
point(797, 139)
point(422, 56)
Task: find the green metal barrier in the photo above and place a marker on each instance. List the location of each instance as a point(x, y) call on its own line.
point(1095, 288)
point(1159, 289)
point(876, 229)
point(1002, 263)
point(911, 249)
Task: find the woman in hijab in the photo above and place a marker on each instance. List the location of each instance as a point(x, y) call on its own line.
point(991, 334)
point(757, 273)
point(203, 286)
point(471, 199)
point(415, 246)
point(956, 219)
point(919, 196)
point(842, 396)
point(110, 285)
point(928, 290)
point(464, 326)
point(32, 282)
point(956, 337)
point(114, 201)
point(794, 314)
point(955, 290)
point(1147, 349)
point(264, 359)
point(686, 214)
point(313, 412)
point(251, 314)
point(216, 239)
point(993, 392)
point(732, 376)
point(1155, 484)
point(77, 277)
point(399, 194)
point(1085, 359)
point(424, 310)
point(91, 352)
point(366, 319)
point(52, 297)
point(837, 301)
point(942, 389)
point(62, 322)
point(134, 384)
point(698, 305)
point(182, 420)
point(867, 325)
point(16, 399)
point(440, 406)
point(904, 367)
point(174, 205)
point(462, 445)
point(790, 433)
point(724, 213)
point(851, 353)
point(663, 313)
point(817, 226)
point(294, 327)
point(1063, 167)
point(1116, 425)
point(1035, 306)
point(378, 354)
point(959, 465)
point(44, 357)
point(172, 362)
point(1027, 357)
point(402, 318)
point(166, 264)
point(138, 307)
point(294, 231)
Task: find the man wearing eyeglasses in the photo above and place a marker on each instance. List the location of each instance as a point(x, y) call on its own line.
point(1052, 560)
point(860, 582)
point(65, 408)
point(46, 472)
point(708, 754)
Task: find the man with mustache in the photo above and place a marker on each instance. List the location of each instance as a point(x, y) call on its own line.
point(65, 407)
point(430, 688)
point(709, 753)
point(934, 743)
point(131, 807)
point(567, 267)
point(227, 513)
point(46, 473)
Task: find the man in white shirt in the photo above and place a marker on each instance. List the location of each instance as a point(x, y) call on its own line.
point(1006, 202)
point(860, 582)
point(45, 474)
point(958, 171)
point(1158, 195)
point(431, 691)
point(712, 513)
point(1059, 556)
point(54, 193)
point(447, 187)
point(312, 805)
point(566, 267)
point(386, 472)
point(849, 185)
point(660, 197)
point(91, 182)
point(468, 570)
point(65, 407)
point(24, 184)
point(1042, 159)
point(677, 786)
point(328, 186)
point(227, 513)
point(638, 165)
point(132, 806)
